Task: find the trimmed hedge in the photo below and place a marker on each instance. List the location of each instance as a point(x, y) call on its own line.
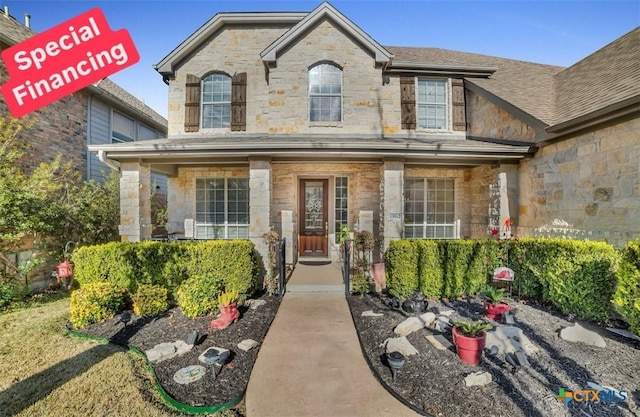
point(94, 303)
point(217, 265)
point(150, 300)
point(627, 295)
point(575, 276)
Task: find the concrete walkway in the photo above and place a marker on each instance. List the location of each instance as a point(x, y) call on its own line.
point(310, 363)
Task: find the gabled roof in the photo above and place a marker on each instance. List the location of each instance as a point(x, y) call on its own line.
point(605, 78)
point(526, 85)
point(13, 32)
point(167, 65)
point(325, 11)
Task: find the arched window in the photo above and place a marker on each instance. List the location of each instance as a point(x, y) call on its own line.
point(216, 101)
point(325, 93)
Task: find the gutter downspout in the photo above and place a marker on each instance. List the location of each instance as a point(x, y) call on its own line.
point(102, 156)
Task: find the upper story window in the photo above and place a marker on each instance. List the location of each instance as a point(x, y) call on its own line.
point(216, 101)
point(325, 93)
point(122, 128)
point(432, 104)
point(145, 132)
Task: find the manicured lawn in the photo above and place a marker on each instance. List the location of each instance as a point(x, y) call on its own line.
point(44, 372)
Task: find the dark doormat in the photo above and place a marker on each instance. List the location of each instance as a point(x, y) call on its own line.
point(315, 263)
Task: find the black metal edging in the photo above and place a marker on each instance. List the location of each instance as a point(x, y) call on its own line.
point(377, 375)
point(346, 265)
point(282, 259)
point(169, 400)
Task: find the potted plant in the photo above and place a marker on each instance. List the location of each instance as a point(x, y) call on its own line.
point(228, 305)
point(495, 302)
point(469, 338)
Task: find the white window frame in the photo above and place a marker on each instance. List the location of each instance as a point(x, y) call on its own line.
point(311, 95)
point(339, 226)
point(207, 230)
point(424, 104)
point(450, 229)
point(225, 123)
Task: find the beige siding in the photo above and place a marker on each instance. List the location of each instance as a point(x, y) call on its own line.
point(489, 121)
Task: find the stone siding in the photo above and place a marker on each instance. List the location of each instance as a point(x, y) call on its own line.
point(489, 121)
point(584, 187)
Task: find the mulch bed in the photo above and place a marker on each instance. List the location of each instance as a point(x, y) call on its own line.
point(231, 381)
point(432, 381)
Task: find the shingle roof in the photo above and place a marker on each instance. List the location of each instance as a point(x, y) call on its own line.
point(526, 85)
point(608, 76)
point(13, 32)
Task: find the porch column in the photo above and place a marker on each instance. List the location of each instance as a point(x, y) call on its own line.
point(391, 201)
point(135, 202)
point(259, 202)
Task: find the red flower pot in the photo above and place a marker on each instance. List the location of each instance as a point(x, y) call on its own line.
point(491, 311)
point(469, 348)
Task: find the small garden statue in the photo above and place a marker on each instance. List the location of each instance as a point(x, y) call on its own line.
point(228, 304)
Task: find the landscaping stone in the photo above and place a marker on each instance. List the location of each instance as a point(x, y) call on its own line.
point(625, 333)
point(189, 374)
point(493, 351)
point(247, 344)
point(510, 339)
point(478, 379)
point(164, 351)
point(181, 347)
point(448, 313)
point(412, 324)
point(577, 333)
point(370, 313)
point(508, 318)
point(254, 304)
point(522, 358)
point(511, 359)
point(439, 342)
point(399, 344)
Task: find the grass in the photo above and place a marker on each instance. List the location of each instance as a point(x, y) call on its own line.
point(44, 372)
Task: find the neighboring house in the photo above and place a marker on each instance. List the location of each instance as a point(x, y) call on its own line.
point(102, 113)
point(303, 123)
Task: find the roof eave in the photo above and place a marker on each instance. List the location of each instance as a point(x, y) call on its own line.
point(627, 107)
point(167, 65)
point(441, 69)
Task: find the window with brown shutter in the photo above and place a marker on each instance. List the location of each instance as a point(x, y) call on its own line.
point(457, 101)
point(239, 102)
point(408, 102)
point(192, 104)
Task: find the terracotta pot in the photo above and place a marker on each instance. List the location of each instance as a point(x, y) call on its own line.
point(469, 348)
point(378, 272)
point(493, 311)
point(228, 314)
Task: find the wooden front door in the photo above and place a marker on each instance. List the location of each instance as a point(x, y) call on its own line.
point(314, 220)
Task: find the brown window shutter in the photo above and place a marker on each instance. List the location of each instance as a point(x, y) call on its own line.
point(192, 104)
point(457, 101)
point(408, 102)
point(239, 102)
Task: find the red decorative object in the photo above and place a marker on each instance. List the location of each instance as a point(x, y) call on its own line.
point(378, 272)
point(469, 348)
point(228, 314)
point(64, 269)
point(495, 311)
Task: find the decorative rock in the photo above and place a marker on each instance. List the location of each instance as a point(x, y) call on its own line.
point(493, 351)
point(522, 358)
point(219, 349)
point(370, 313)
point(399, 344)
point(408, 326)
point(254, 304)
point(192, 337)
point(508, 318)
point(247, 344)
point(189, 374)
point(435, 310)
point(478, 379)
point(446, 312)
point(161, 352)
point(578, 333)
point(511, 359)
point(625, 333)
point(439, 342)
point(510, 339)
point(181, 347)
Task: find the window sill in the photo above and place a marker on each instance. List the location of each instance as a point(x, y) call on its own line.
point(325, 124)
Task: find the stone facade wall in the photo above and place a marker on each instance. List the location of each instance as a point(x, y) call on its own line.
point(364, 191)
point(489, 121)
point(584, 187)
point(135, 202)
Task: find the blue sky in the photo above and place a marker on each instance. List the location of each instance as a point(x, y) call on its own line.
point(549, 32)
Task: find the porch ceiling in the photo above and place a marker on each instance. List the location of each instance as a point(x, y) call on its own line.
point(166, 154)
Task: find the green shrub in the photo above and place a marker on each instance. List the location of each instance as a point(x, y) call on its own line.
point(111, 262)
point(627, 295)
point(402, 268)
point(94, 303)
point(12, 291)
point(150, 300)
point(456, 258)
point(359, 283)
point(199, 295)
point(429, 268)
